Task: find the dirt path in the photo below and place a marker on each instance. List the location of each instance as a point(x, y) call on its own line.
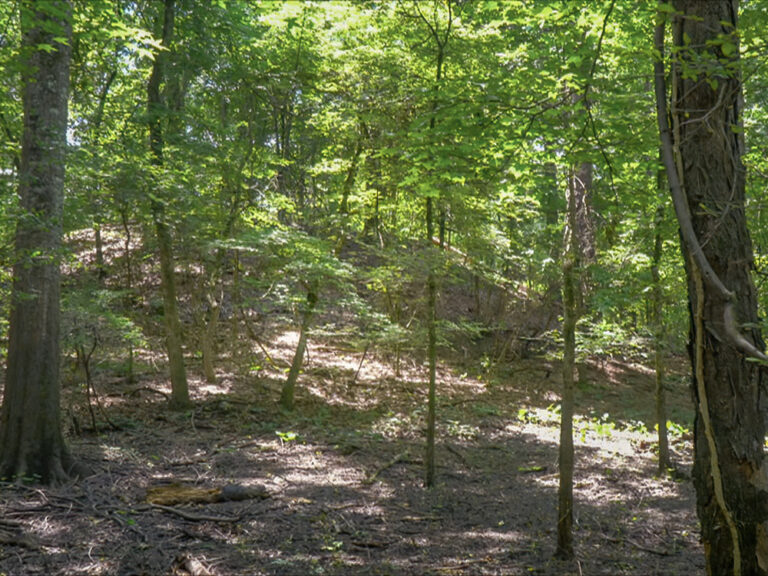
point(344, 477)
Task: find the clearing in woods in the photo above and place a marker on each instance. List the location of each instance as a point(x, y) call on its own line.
point(343, 474)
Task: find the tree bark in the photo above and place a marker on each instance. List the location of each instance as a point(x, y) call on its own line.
point(658, 344)
point(572, 254)
point(289, 388)
point(173, 332)
point(31, 443)
point(95, 198)
point(429, 471)
point(707, 180)
point(429, 457)
point(346, 190)
point(584, 241)
point(208, 345)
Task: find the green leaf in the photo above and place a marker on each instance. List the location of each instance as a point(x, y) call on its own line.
point(728, 48)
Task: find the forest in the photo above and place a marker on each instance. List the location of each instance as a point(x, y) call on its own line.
point(383, 287)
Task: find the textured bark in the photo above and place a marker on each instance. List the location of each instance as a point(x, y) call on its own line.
point(728, 474)
point(584, 242)
point(173, 332)
point(583, 220)
point(572, 252)
point(566, 453)
point(31, 442)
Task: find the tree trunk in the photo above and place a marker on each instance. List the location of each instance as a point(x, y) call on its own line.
point(236, 300)
point(208, 344)
point(707, 186)
point(429, 459)
point(584, 241)
point(173, 332)
point(571, 309)
point(429, 472)
point(31, 442)
point(101, 270)
point(289, 388)
point(658, 344)
point(349, 183)
point(130, 376)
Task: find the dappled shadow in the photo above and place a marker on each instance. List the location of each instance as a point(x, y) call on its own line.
point(345, 476)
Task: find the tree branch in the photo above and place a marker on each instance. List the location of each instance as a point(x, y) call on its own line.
point(683, 212)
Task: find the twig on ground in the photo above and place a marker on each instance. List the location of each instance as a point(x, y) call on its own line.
point(636, 545)
point(18, 538)
point(195, 517)
point(398, 458)
point(359, 366)
point(135, 391)
point(458, 455)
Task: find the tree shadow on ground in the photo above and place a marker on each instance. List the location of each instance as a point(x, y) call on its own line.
point(492, 511)
point(344, 472)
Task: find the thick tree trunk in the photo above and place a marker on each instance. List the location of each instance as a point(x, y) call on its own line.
point(173, 332)
point(708, 189)
point(31, 442)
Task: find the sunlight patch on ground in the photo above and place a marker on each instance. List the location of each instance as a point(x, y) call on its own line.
point(312, 467)
point(121, 454)
point(286, 340)
point(200, 388)
point(617, 372)
point(155, 358)
point(83, 243)
point(491, 534)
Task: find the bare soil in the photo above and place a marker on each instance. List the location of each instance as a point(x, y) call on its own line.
point(344, 475)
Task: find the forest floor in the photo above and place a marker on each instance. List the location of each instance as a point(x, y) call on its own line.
point(343, 474)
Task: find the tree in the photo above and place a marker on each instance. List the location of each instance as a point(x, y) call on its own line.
point(155, 111)
point(289, 387)
point(440, 38)
point(571, 273)
point(576, 252)
point(657, 315)
point(31, 441)
point(707, 182)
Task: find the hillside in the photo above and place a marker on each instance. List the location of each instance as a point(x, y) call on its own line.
point(343, 475)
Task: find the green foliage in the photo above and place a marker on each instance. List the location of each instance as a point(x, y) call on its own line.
point(305, 137)
point(286, 437)
point(94, 317)
point(290, 264)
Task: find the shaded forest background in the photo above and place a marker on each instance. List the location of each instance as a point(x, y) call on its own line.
point(328, 234)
